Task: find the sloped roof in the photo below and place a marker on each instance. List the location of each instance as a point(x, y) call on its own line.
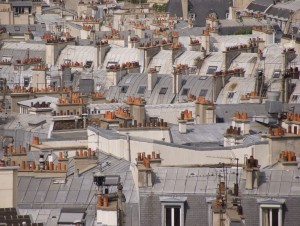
point(259, 5)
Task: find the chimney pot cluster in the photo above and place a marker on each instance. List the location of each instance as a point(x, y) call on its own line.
point(35, 140)
point(75, 99)
point(141, 157)
point(10, 150)
point(252, 163)
point(146, 124)
point(279, 131)
point(241, 116)
point(134, 100)
point(22, 89)
point(85, 154)
point(294, 117)
point(40, 105)
point(287, 156)
point(186, 114)
point(230, 72)
point(233, 131)
point(49, 166)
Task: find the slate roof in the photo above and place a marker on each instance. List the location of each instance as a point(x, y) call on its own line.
point(52, 100)
point(275, 182)
point(177, 180)
point(201, 8)
point(43, 198)
point(207, 133)
point(259, 5)
point(194, 85)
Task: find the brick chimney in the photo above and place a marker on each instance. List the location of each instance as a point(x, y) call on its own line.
point(252, 173)
point(84, 160)
point(54, 46)
point(241, 120)
point(101, 48)
point(152, 79)
point(177, 82)
point(145, 173)
point(204, 111)
point(115, 73)
point(137, 108)
point(39, 76)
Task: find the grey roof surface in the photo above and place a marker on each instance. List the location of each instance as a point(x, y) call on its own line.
point(21, 3)
point(194, 84)
point(19, 50)
point(259, 5)
point(22, 28)
point(52, 100)
point(44, 193)
point(207, 133)
point(238, 86)
point(176, 180)
point(24, 126)
point(275, 182)
point(201, 8)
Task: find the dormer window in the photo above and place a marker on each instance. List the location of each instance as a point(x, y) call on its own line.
point(141, 90)
point(203, 92)
point(163, 91)
point(230, 95)
point(211, 70)
point(185, 92)
point(276, 74)
point(124, 89)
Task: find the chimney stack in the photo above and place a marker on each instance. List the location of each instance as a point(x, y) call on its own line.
point(252, 173)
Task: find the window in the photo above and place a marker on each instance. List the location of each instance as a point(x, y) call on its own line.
point(276, 74)
point(271, 212)
point(185, 92)
point(128, 80)
point(172, 211)
point(183, 82)
point(124, 89)
point(203, 78)
point(211, 70)
point(230, 95)
point(32, 28)
point(163, 90)
point(295, 98)
point(6, 58)
point(172, 216)
point(203, 92)
point(141, 90)
point(26, 82)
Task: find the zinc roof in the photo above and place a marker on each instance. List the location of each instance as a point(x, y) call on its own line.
point(179, 180)
point(122, 55)
point(239, 86)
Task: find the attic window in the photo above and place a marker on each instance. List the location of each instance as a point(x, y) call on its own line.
point(203, 92)
point(88, 64)
point(141, 90)
point(128, 80)
point(163, 90)
point(276, 74)
point(202, 77)
point(185, 92)
point(6, 58)
point(230, 95)
point(295, 97)
point(32, 28)
point(211, 70)
point(17, 28)
point(183, 82)
point(124, 89)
